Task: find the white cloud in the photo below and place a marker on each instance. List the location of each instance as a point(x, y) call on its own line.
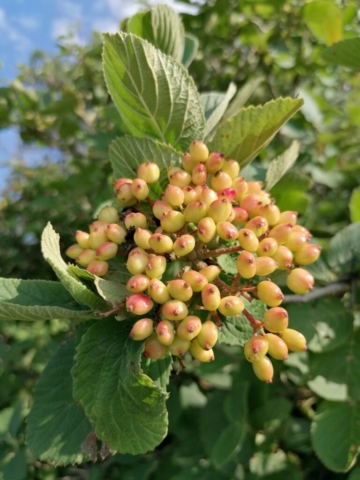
point(65, 26)
point(123, 9)
point(70, 9)
point(27, 22)
point(20, 41)
point(105, 25)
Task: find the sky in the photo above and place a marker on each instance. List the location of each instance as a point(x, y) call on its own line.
point(27, 25)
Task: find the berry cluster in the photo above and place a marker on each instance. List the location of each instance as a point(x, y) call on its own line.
point(206, 210)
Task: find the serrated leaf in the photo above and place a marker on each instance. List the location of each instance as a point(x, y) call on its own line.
point(158, 370)
point(346, 53)
point(281, 164)
point(162, 27)
point(32, 300)
point(245, 134)
point(125, 406)
point(354, 205)
point(50, 247)
point(237, 330)
point(325, 322)
point(154, 95)
point(335, 434)
point(127, 153)
point(57, 425)
point(228, 444)
point(190, 49)
point(215, 105)
point(344, 250)
point(112, 292)
point(324, 19)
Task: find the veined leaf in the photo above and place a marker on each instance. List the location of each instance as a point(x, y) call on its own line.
point(215, 105)
point(158, 370)
point(346, 53)
point(242, 96)
point(281, 164)
point(112, 292)
point(154, 94)
point(344, 250)
point(244, 135)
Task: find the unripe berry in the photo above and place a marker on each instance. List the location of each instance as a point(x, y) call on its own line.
point(307, 254)
point(231, 305)
point(303, 230)
point(295, 341)
point(264, 369)
point(255, 348)
point(179, 346)
point(149, 172)
point(199, 151)
point(180, 290)
point(106, 251)
point(161, 243)
point(120, 181)
point(154, 349)
point(137, 261)
point(277, 347)
point(227, 231)
point(98, 267)
point(174, 310)
point(180, 178)
point(210, 296)
point(281, 232)
point(241, 188)
point(288, 217)
point(160, 207)
point(240, 216)
point(74, 251)
point(220, 180)
point(276, 319)
point(98, 226)
point(158, 291)
point(116, 233)
point(142, 329)
point(220, 209)
point(251, 202)
point(245, 264)
point(125, 196)
point(255, 187)
point(206, 229)
point(139, 304)
point(188, 163)
point(265, 266)
point(82, 239)
point(199, 353)
point(141, 238)
point(140, 189)
point(189, 328)
point(195, 211)
point(271, 212)
point(248, 240)
point(210, 272)
point(267, 247)
point(208, 335)
point(190, 195)
point(97, 237)
point(199, 174)
point(138, 283)
point(215, 162)
point(85, 257)
point(136, 219)
point(172, 221)
point(173, 195)
point(296, 241)
point(300, 281)
point(165, 332)
point(156, 266)
point(208, 196)
point(195, 279)
point(231, 167)
point(258, 225)
point(270, 293)
point(284, 257)
point(199, 189)
point(183, 245)
point(228, 193)
point(108, 214)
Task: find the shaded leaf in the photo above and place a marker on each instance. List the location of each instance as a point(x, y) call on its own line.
point(112, 292)
point(190, 50)
point(344, 250)
point(242, 96)
point(346, 53)
point(228, 444)
point(215, 105)
point(158, 370)
point(281, 164)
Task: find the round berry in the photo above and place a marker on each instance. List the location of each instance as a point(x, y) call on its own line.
point(174, 310)
point(265, 266)
point(195, 279)
point(248, 240)
point(277, 347)
point(138, 283)
point(183, 245)
point(154, 349)
point(74, 251)
point(179, 346)
point(98, 267)
point(255, 348)
point(158, 291)
point(108, 214)
point(149, 172)
point(276, 319)
point(307, 254)
point(189, 328)
point(231, 305)
point(82, 239)
point(180, 290)
point(246, 265)
point(295, 341)
point(269, 293)
point(161, 243)
point(165, 332)
point(139, 304)
point(199, 151)
point(210, 296)
point(116, 233)
point(300, 281)
point(199, 353)
point(206, 230)
point(142, 329)
point(155, 267)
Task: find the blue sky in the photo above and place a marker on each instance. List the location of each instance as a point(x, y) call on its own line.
point(26, 25)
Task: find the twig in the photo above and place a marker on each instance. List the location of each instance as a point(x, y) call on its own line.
point(219, 251)
point(335, 288)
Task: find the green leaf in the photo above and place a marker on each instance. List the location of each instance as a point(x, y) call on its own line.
point(112, 292)
point(228, 444)
point(37, 300)
point(354, 205)
point(344, 250)
point(16, 468)
point(154, 95)
point(236, 403)
point(190, 50)
point(237, 330)
point(50, 247)
point(346, 53)
point(327, 389)
point(215, 105)
point(228, 263)
point(290, 192)
point(242, 96)
point(161, 26)
point(245, 134)
point(158, 370)
point(127, 153)
point(57, 425)
point(325, 322)
point(125, 406)
point(272, 414)
point(281, 164)
point(324, 20)
point(335, 434)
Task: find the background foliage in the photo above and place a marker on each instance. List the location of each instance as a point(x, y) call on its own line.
point(223, 422)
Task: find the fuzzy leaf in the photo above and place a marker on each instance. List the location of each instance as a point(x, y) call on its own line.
point(112, 292)
point(281, 164)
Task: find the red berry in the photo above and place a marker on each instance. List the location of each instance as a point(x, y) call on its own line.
point(139, 304)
